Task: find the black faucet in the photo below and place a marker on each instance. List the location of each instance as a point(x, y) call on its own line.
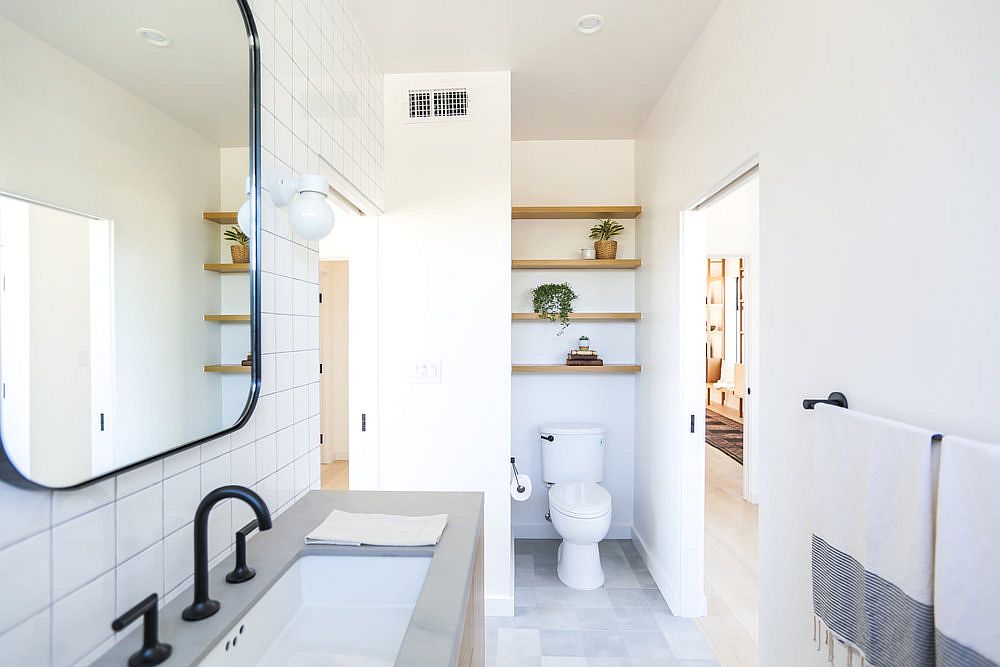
point(204, 606)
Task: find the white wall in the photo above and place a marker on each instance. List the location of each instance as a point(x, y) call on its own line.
point(138, 524)
point(876, 131)
point(444, 293)
point(572, 173)
point(732, 223)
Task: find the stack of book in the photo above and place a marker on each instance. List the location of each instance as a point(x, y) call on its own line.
point(583, 358)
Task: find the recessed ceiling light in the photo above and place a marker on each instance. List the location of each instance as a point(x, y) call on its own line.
point(154, 37)
point(588, 24)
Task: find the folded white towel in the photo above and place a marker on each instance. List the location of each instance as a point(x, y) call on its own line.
point(378, 530)
point(873, 535)
point(966, 579)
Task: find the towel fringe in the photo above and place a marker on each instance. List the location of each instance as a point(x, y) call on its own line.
point(822, 635)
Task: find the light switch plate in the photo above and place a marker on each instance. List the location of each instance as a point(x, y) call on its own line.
point(424, 371)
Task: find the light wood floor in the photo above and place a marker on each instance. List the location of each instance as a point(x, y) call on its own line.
point(730, 563)
point(726, 411)
point(333, 476)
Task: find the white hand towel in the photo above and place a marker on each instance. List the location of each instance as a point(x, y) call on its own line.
point(378, 530)
point(966, 577)
point(873, 535)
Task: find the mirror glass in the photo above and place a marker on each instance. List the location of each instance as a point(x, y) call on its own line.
point(126, 142)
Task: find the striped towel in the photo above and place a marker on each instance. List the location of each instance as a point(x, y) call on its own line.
point(873, 536)
point(966, 577)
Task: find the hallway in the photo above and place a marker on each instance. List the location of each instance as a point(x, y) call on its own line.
point(730, 563)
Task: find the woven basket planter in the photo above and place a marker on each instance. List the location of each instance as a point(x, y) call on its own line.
point(606, 249)
point(241, 254)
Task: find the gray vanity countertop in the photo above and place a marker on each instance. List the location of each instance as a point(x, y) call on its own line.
point(434, 634)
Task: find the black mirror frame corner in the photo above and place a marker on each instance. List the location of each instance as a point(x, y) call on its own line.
point(9, 472)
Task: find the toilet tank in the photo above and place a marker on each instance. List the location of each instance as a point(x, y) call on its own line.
point(572, 452)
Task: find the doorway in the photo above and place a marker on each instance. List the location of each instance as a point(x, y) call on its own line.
point(63, 305)
point(348, 313)
point(720, 260)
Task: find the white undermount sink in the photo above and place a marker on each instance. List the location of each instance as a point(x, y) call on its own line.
point(330, 611)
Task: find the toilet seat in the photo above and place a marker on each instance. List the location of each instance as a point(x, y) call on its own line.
point(580, 500)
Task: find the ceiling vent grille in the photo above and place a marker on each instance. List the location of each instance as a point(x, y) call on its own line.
point(438, 104)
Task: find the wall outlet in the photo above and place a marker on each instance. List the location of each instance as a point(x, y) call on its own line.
point(424, 371)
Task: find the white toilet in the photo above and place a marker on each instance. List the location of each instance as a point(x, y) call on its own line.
point(573, 464)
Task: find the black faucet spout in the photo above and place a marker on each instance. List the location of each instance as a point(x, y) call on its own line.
point(204, 606)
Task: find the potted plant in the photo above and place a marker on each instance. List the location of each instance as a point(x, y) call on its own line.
point(554, 301)
point(584, 343)
point(604, 247)
point(240, 251)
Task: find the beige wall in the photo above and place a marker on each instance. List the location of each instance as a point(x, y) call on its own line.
point(60, 344)
point(333, 350)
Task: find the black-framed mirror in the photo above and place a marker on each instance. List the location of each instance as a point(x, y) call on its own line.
point(130, 296)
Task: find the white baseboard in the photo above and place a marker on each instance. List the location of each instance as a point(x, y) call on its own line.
point(545, 531)
point(659, 574)
point(499, 606)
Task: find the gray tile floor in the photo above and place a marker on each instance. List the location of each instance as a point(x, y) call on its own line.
point(624, 624)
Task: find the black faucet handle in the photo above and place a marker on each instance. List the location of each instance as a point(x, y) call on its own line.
point(153, 651)
point(241, 572)
point(245, 531)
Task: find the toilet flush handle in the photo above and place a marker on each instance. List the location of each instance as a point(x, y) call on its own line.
point(550, 438)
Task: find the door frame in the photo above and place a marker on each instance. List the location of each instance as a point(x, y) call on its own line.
point(361, 256)
point(691, 394)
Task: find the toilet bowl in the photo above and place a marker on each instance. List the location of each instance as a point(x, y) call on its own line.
point(581, 514)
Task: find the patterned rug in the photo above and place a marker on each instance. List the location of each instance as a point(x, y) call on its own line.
point(725, 435)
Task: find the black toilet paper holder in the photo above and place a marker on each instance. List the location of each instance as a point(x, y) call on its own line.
point(520, 487)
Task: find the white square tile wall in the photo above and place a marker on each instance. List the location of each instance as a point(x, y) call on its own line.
point(81, 557)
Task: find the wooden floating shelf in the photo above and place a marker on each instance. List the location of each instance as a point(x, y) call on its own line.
point(227, 368)
point(575, 263)
point(221, 217)
point(227, 318)
point(228, 268)
point(563, 368)
point(574, 212)
point(585, 317)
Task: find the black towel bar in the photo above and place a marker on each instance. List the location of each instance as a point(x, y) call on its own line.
point(835, 398)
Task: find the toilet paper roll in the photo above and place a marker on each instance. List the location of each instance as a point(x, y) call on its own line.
point(520, 496)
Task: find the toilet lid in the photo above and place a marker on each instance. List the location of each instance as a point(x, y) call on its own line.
point(582, 500)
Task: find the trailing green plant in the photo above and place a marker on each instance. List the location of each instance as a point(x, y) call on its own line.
point(605, 230)
point(554, 302)
point(236, 235)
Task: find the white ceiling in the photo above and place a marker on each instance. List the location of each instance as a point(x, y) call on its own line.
point(201, 80)
point(564, 85)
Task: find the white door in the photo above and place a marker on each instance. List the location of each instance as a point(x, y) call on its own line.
point(363, 353)
point(15, 340)
point(692, 410)
point(102, 358)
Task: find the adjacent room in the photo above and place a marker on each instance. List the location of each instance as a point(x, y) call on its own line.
point(498, 334)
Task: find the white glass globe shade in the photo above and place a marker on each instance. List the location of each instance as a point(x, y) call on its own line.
point(243, 215)
point(311, 216)
point(243, 218)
